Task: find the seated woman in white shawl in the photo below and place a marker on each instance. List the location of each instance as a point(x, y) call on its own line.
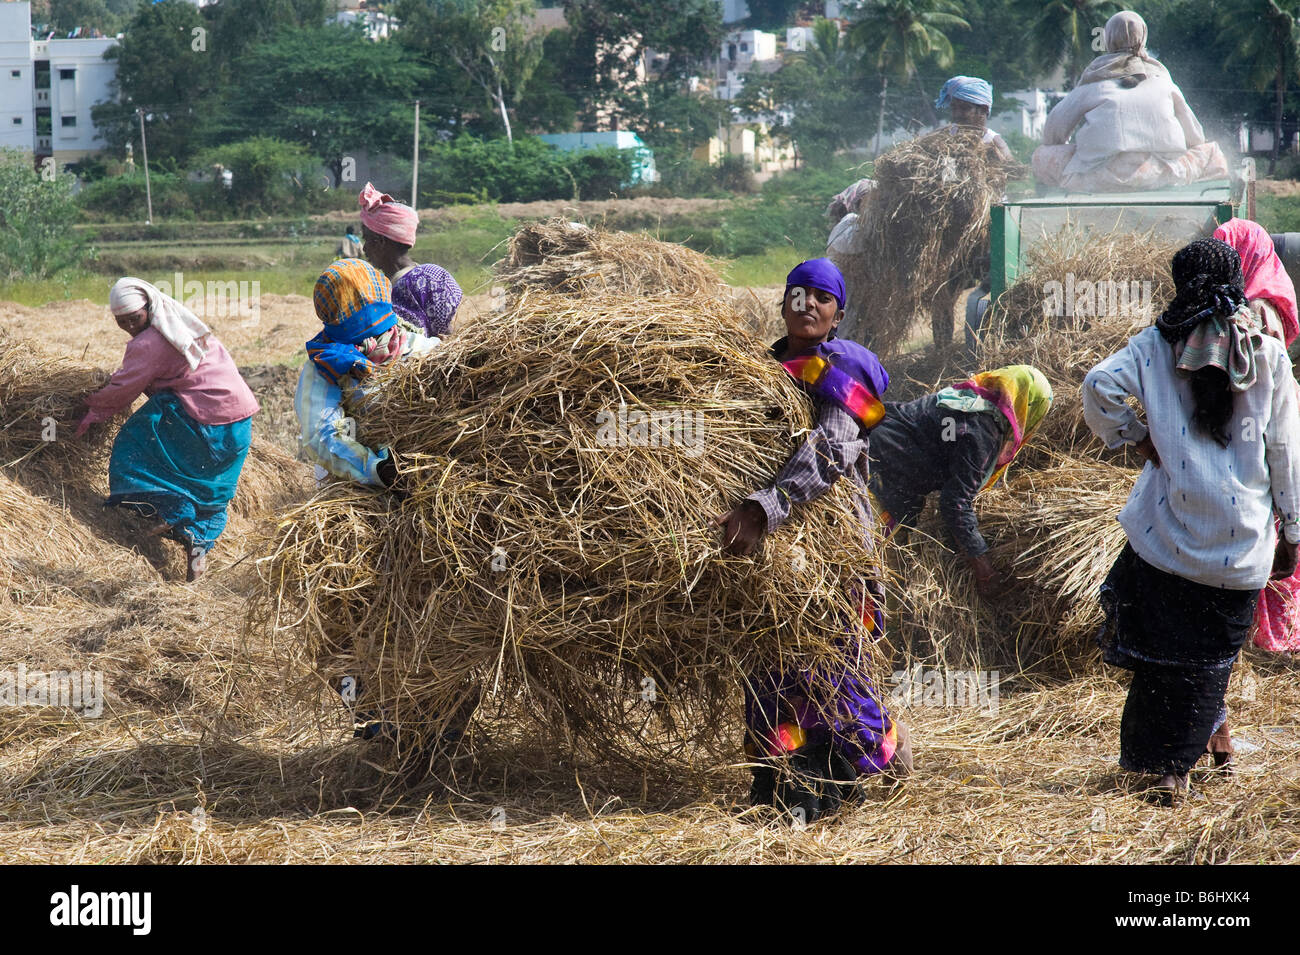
point(1132, 128)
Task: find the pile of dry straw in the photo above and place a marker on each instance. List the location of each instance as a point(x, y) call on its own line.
point(1053, 521)
point(923, 226)
point(576, 259)
point(554, 553)
point(44, 464)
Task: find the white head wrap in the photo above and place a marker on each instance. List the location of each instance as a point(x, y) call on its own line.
point(1126, 52)
point(176, 323)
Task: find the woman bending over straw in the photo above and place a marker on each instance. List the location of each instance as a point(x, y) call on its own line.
point(1222, 444)
point(821, 746)
point(360, 333)
point(1270, 294)
point(958, 442)
point(178, 458)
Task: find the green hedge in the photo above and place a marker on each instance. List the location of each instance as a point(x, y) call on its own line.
point(528, 170)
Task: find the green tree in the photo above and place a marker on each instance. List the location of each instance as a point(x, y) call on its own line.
point(898, 36)
point(37, 213)
point(820, 95)
point(771, 14)
point(66, 15)
point(239, 25)
point(267, 173)
point(1067, 31)
point(164, 69)
point(610, 45)
point(1267, 42)
point(487, 40)
point(546, 105)
point(331, 89)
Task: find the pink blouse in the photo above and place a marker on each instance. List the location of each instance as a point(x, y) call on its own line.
point(213, 393)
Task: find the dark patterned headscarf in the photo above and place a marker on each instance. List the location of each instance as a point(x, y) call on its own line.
point(1209, 283)
point(427, 297)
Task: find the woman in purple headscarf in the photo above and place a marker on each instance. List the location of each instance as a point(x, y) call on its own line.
point(810, 751)
point(424, 296)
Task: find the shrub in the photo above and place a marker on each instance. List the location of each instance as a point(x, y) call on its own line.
point(123, 197)
point(268, 175)
point(36, 218)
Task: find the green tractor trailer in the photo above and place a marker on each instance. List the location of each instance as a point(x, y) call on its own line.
point(1181, 214)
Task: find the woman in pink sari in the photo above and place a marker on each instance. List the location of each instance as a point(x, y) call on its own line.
point(1270, 294)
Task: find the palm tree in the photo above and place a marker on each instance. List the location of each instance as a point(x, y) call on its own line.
point(1068, 31)
point(900, 35)
point(1266, 39)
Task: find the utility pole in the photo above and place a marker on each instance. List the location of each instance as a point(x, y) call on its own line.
point(144, 154)
point(415, 162)
point(880, 123)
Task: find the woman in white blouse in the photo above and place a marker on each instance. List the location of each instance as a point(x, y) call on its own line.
point(1222, 444)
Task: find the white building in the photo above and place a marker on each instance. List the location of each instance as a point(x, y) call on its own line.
point(1028, 119)
point(379, 26)
point(742, 48)
point(47, 88)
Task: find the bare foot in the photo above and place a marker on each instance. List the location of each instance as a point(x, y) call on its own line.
point(1220, 748)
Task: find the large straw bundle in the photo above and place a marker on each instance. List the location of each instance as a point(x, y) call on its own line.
point(1054, 529)
point(925, 227)
point(1034, 324)
point(546, 559)
point(40, 394)
point(1062, 272)
point(572, 258)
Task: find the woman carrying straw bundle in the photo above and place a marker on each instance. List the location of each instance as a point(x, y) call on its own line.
point(822, 745)
point(958, 442)
point(1132, 127)
point(970, 100)
point(1222, 444)
point(1270, 294)
point(178, 458)
point(360, 333)
point(425, 296)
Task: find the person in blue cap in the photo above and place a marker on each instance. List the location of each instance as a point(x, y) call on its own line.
point(970, 100)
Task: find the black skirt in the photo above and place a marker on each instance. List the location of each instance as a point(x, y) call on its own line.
point(1180, 639)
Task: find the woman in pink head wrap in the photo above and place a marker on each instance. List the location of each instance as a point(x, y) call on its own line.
point(425, 296)
point(1270, 294)
point(1269, 290)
